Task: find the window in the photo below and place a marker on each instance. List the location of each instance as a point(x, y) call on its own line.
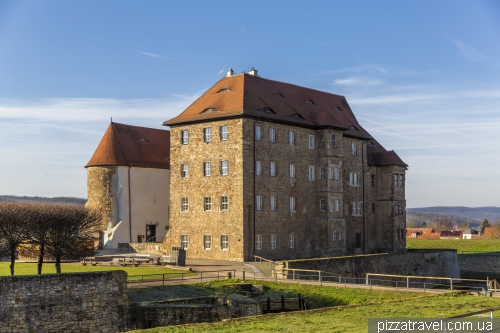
point(272, 135)
point(258, 133)
point(184, 170)
point(224, 203)
point(337, 174)
point(322, 205)
point(353, 179)
point(224, 242)
point(184, 137)
point(273, 203)
point(258, 168)
point(354, 149)
point(340, 235)
point(334, 141)
point(207, 242)
point(184, 242)
point(334, 238)
point(292, 241)
point(330, 173)
point(311, 141)
point(354, 208)
point(396, 180)
point(337, 205)
point(292, 170)
point(207, 204)
point(224, 168)
point(273, 241)
point(401, 181)
point(291, 138)
point(332, 207)
point(184, 204)
point(223, 133)
point(292, 204)
point(311, 172)
point(259, 203)
point(373, 180)
point(273, 169)
point(207, 134)
point(359, 210)
point(322, 172)
point(207, 169)
point(258, 242)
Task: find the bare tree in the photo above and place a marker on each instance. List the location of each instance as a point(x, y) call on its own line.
point(13, 229)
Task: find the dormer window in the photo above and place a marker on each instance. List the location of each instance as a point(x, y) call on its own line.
point(142, 141)
point(223, 90)
point(309, 102)
point(279, 95)
point(337, 108)
point(267, 110)
point(298, 116)
point(210, 110)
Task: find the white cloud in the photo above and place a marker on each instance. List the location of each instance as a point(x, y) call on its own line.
point(358, 81)
point(154, 55)
point(467, 51)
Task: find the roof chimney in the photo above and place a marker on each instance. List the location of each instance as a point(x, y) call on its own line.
point(253, 72)
point(230, 72)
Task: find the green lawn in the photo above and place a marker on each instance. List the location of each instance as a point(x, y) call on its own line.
point(49, 268)
point(347, 318)
point(461, 245)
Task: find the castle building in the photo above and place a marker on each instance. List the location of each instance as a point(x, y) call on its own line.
point(128, 179)
point(266, 168)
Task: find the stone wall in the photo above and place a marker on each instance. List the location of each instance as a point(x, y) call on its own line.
point(442, 263)
point(141, 247)
point(81, 302)
point(479, 264)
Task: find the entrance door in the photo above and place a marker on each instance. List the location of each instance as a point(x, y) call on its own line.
point(358, 240)
point(151, 233)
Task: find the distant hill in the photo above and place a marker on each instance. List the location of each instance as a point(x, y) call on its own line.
point(476, 214)
point(62, 200)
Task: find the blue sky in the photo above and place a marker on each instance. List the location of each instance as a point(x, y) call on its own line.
point(423, 77)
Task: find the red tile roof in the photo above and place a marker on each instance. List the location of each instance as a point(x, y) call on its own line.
point(125, 145)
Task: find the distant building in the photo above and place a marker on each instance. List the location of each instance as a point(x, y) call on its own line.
point(128, 179)
point(266, 168)
point(470, 233)
point(451, 234)
point(421, 233)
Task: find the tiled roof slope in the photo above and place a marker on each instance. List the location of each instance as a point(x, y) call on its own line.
point(125, 145)
point(257, 97)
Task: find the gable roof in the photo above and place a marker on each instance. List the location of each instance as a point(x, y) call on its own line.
point(125, 145)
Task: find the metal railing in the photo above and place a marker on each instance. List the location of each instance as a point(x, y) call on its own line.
point(260, 259)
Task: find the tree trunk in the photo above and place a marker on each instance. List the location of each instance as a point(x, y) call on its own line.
point(12, 258)
point(41, 253)
point(58, 264)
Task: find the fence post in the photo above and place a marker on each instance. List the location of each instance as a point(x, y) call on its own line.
point(487, 283)
point(201, 276)
point(424, 287)
point(451, 284)
point(340, 279)
point(367, 279)
point(293, 274)
point(407, 282)
point(243, 275)
point(320, 280)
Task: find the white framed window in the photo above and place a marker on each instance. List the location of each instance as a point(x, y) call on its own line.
point(223, 133)
point(207, 204)
point(258, 204)
point(396, 180)
point(207, 134)
point(311, 172)
point(337, 205)
point(353, 179)
point(340, 235)
point(207, 169)
point(292, 241)
point(292, 170)
point(207, 242)
point(401, 184)
point(332, 207)
point(258, 242)
point(334, 238)
point(322, 172)
point(184, 204)
point(258, 168)
point(224, 203)
point(354, 208)
point(184, 137)
point(273, 241)
point(354, 149)
point(184, 242)
point(330, 173)
point(273, 203)
point(224, 242)
point(334, 141)
point(337, 174)
point(359, 208)
point(184, 170)
point(272, 135)
point(258, 133)
point(311, 141)
point(322, 205)
point(273, 169)
point(292, 204)
point(224, 168)
point(291, 138)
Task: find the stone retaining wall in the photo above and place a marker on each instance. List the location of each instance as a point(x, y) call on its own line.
point(479, 263)
point(154, 248)
point(79, 302)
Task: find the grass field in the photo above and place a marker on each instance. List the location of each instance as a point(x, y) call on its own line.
point(350, 318)
point(461, 245)
point(49, 268)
